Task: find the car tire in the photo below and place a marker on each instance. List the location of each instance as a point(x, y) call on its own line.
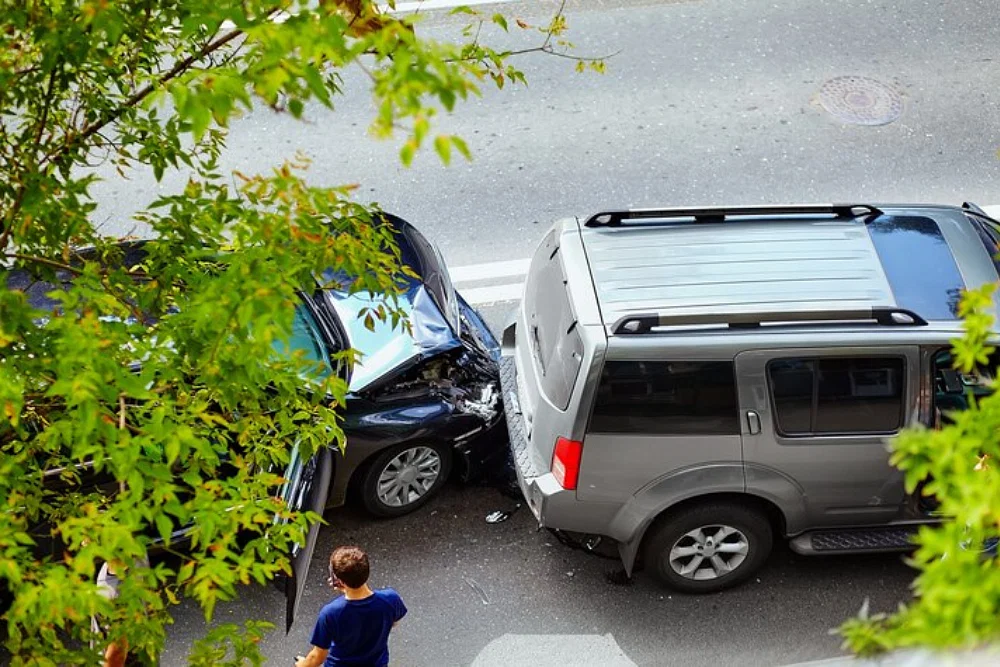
point(708, 547)
point(403, 478)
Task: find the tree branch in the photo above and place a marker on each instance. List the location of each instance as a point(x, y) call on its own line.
point(179, 68)
point(62, 266)
point(139, 38)
point(8, 223)
point(548, 36)
point(43, 261)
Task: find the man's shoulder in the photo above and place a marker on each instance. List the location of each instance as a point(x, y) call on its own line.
point(388, 594)
point(334, 606)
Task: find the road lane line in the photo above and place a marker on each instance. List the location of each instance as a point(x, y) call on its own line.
point(401, 8)
point(428, 5)
point(489, 271)
point(480, 296)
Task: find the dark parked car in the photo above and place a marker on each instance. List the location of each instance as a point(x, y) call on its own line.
point(420, 403)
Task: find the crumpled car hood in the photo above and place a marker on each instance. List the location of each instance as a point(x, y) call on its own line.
point(385, 350)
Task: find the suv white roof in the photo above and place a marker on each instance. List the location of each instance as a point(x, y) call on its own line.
point(702, 266)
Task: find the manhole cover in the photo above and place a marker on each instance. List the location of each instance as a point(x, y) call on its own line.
point(860, 100)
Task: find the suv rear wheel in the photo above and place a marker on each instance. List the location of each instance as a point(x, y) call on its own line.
point(708, 547)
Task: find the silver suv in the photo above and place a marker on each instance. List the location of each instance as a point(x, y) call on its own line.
point(693, 383)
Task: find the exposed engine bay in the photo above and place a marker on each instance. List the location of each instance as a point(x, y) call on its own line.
point(455, 377)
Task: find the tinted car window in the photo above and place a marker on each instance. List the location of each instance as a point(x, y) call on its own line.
point(666, 398)
point(918, 264)
point(837, 395)
point(307, 340)
point(792, 391)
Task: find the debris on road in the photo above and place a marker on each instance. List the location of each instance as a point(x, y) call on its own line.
point(478, 589)
point(499, 516)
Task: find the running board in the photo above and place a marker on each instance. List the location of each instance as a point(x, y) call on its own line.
point(854, 541)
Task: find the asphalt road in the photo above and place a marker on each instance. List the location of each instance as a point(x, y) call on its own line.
point(705, 102)
point(507, 594)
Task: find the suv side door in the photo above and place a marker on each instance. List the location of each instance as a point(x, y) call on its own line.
point(815, 424)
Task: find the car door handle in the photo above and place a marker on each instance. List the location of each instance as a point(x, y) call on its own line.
point(753, 422)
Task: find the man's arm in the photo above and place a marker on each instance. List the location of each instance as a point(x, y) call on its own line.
point(315, 658)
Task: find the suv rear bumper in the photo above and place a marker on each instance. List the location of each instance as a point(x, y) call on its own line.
point(552, 505)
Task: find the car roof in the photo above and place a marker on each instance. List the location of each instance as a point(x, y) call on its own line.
point(749, 265)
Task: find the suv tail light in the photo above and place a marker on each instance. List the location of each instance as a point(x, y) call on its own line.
point(566, 462)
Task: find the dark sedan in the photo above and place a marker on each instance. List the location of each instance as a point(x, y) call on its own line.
point(422, 400)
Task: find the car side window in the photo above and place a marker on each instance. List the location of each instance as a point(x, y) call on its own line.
point(837, 395)
point(307, 340)
point(666, 398)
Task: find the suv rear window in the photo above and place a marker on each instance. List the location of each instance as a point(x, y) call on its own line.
point(837, 395)
point(666, 398)
point(555, 343)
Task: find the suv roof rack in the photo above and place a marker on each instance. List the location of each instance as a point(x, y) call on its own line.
point(973, 209)
point(889, 316)
point(720, 213)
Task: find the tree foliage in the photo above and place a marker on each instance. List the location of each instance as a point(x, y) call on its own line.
point(192, 435)
point(957, 591)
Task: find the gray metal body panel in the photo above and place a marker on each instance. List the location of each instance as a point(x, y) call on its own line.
point(842, 479)
point(728, 268)
point(738, 268)
point(758, 266)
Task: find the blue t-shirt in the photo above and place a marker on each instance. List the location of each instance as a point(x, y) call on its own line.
point(357, 631)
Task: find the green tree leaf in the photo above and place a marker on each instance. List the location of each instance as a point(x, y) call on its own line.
point(442, 144)
point(170, 380)
point(957, 590)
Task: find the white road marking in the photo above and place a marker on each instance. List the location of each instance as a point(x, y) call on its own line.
point(479, 296)
point(509, 273)
point(428, 5)
point(489, 271)
point(401, 8)
point(553, 651)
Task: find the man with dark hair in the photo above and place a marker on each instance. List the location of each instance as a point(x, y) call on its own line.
point(353, 630)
